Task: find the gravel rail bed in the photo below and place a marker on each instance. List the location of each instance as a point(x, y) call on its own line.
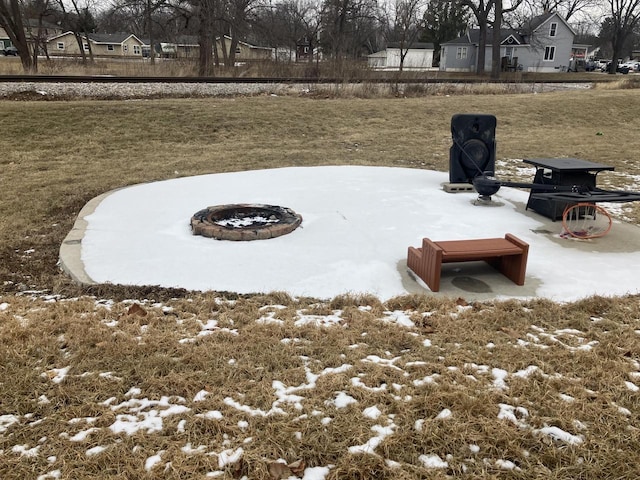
point(121, 91)
point(138, 90)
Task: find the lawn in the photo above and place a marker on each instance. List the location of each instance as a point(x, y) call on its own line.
point(144, 382)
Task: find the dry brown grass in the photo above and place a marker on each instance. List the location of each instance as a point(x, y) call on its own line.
point(58, 155)
point(340, 70)
point(110, 351)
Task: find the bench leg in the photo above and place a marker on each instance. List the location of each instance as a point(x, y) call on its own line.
point(426, 263)
point(433, 264)
point(414, 261)
point(511, 266)
point(514, 267)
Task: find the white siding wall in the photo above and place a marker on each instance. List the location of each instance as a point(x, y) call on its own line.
point(450, 62)
point(562, 41)
point(415, 58)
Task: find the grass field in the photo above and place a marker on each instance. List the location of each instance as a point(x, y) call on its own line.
point(116, 381)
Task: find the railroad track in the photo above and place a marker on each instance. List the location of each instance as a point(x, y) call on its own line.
point(278, 80)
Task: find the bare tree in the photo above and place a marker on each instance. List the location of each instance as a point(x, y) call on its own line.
point(272, 26)
point(348, 27)
point(171, 19)
point(566, 8)
point(285, 24)
point(499, 11)
point(123, 16)
point(150, 6)
point(407, 25)
point(311, 16)
point(237, 21)
point(219, 20)
point(11, 20)
point(481, 10)
point(207, 12)
point(80, 21)
point(444, 20)
point(150, 19)
point(35, 12)
point(623, 20)
point(308, 14)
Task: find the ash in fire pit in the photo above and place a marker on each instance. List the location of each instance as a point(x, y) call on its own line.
point(245, 221)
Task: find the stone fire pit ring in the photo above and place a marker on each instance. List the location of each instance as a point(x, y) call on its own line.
point(245, 221)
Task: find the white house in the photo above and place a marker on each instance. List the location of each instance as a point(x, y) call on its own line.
point(102, 44)
point(419, 56)
point(545, 44)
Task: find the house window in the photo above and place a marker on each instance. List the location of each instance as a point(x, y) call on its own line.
point(238, 50)
point(461, 53)
point(60, 45)
point(306, 49)
point(125, 48)
point(552, 29)
point(136, 49)
point(85, 46)
point(110, 47)
point(549, 54)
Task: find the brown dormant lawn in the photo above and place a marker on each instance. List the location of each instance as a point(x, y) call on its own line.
point(113, 381)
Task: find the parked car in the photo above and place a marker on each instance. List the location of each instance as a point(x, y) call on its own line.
point(621, 68)
point(633, 65)
point(10, 51)
point(591, 66)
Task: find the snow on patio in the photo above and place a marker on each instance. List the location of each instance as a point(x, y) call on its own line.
point(357, 225)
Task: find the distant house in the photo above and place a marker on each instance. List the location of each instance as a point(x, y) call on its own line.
point(102, 45)
point(246, 51)
point(41, 28)
point(183, 46)
point(284, 54)
point(419, 56)
point(545, 44)
point(304, 49)
point(4, 39)
point(579, 56)
point(36, 31)
point(187, 46)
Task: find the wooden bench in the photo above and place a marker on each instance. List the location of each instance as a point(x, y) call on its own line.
point(508, 255)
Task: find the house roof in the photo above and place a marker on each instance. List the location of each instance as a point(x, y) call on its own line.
point(192, 40)
point(472, 37)
point(185, 40)
point(63, 34)
point(103, 38)
point(112, 38)
point(412, 46)
point(512, 39)
point(537, 22)
point(35, 23)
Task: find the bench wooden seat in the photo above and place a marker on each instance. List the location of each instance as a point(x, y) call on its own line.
point(508, 255)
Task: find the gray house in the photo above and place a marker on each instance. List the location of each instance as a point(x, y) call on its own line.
point(545, 44)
